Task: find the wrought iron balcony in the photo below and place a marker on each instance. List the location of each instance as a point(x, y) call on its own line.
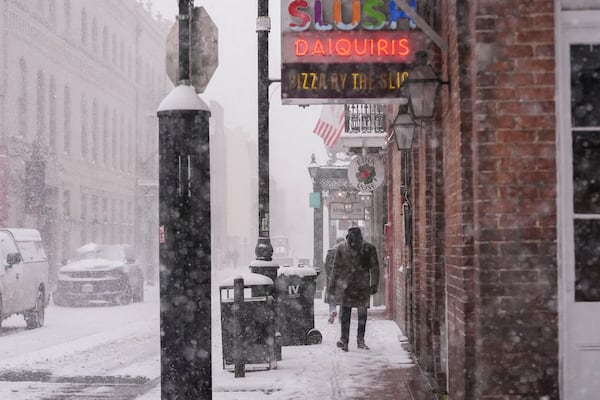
point(365, 128)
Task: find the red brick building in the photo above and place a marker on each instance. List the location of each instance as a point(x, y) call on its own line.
point(499, 288)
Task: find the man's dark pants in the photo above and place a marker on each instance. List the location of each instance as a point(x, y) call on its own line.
point(345, 314)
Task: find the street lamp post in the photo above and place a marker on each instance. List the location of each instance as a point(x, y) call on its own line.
point(313, 170)
point(264, 250)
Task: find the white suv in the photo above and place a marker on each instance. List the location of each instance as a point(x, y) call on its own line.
point(23, 276)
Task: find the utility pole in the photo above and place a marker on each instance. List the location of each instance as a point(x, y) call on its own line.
point(184, 237)
point(264, 249)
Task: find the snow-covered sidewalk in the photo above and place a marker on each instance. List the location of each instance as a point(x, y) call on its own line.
point(317, 371)
point(320, 371)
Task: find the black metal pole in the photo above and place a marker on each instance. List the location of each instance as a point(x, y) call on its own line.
point(185, 240)
point(239, 342)
point(184, 40)
point(264, 249)
point(318, 230)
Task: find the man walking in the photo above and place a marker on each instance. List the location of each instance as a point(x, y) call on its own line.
point(354, 278)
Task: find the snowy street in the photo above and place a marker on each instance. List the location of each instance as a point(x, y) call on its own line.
point(113, 353)
point(83, 352)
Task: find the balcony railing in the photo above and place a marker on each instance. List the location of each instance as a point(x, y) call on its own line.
point(365, 127)
point(365, 118)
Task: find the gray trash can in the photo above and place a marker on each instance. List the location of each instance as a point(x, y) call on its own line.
point(295, 294)
point(257, 319)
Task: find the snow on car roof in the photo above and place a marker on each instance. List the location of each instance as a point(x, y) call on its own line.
point(24, 234)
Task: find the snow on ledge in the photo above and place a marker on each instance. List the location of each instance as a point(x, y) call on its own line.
point(250, 279)
point(297, 271)
point(182, 97)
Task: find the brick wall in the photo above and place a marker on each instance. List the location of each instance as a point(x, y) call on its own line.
point(484, 207)
point(515, 200)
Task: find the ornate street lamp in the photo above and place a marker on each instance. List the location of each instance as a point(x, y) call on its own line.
point(422, 84)
point(404, 129)
point(313, 168)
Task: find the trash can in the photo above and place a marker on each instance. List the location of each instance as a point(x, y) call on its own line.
point(256, 317)
point(295, 310)
point(266, 268)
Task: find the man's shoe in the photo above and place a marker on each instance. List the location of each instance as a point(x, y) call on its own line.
point(342, 345)
point(332, 317)
point(362, 345)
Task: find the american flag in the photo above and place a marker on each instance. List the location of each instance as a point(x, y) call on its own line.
point(330, 124)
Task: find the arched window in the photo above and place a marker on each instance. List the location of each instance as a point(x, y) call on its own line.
point(41, 107)
point(94, 131)
point(67, 121)
point(95, 35)
point(84, 27)
point(52, 113)
point(84, 127)
point(22, 99)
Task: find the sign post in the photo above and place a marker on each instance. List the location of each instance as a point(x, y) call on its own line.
point(204, 50)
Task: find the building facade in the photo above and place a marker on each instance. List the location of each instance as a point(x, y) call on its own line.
point(79, 87)
point(493, 236)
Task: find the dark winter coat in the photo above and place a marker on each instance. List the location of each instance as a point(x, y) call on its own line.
point(353, 275)
point(328, 268)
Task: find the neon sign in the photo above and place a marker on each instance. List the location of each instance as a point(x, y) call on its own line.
point(368, 14)
point(345, 51)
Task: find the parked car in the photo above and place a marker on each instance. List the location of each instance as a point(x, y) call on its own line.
point(100, 273)
point(23, 276)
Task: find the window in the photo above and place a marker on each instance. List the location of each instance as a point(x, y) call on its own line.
point(95, 35)
point(52, 12)
point(32, 251)
point(67, 121)
point(113, 145)
point(122, 56)
point(67, 6)
point(105, 136)
point(84, 27)
point(131, 154)
point(22, 100)
point(52, 113)
point(105, 233)
point(84, 127)
point(66, 204)
point(95, 131)
point(84, 201)
point(114, 49)
point(104, 43)
point(41, 107)
point(7, 246)
point(122, 144)
point(585, 121)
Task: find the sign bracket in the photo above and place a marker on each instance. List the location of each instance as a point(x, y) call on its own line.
point(423, 25)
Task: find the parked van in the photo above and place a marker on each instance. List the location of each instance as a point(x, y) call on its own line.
point(23, 276)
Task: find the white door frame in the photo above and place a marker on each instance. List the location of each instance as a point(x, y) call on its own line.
point(571, 27)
